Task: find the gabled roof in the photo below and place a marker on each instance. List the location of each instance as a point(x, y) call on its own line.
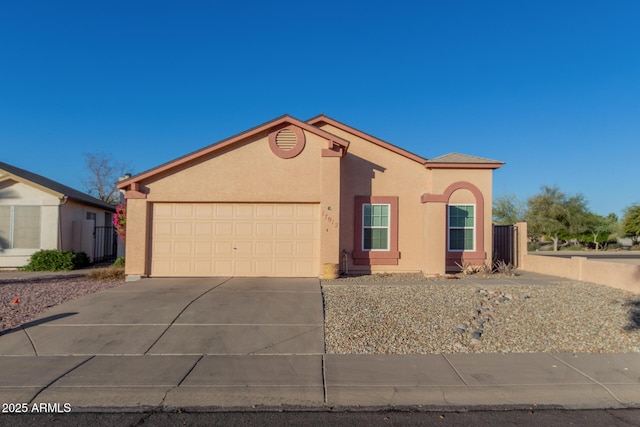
point(322, 119)
point(335, 143)
point(50, 186)
point(456, 160)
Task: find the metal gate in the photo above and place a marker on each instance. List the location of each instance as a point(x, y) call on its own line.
point(105, 244)
point(505, 239)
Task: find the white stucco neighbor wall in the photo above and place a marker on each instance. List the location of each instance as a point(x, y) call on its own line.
point(14, 193)
point(56, 222)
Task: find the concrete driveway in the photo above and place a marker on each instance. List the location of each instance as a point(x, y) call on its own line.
point(199, 316)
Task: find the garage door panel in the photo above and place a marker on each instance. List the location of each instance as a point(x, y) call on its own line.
point(284, 230)
point(163, 210)
point(203, 267)
point(243, 248)
point(243, 267)
point(244, 211)
point(306, 211)
point(223, 211)
point(162, 249)
point(182, 249)
point(163, 229)
point(203, 248)
point(264, 230)
point(284, 249)
point(302, 266)
point(223, 248)
point(183, 229)
point(244, 229)
point(222, 268)
point(204, 229)
point(264, 249)
point(224, 228)
point(183, 210)
point(304, 230)
point(264, 211)
point(304, 248)
point(284, 268)
point(263, 268)
point(285, 211)
point(242, 239)
point(204, 211)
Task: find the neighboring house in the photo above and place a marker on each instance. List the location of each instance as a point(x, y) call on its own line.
point(38, 213)
point(291, 198)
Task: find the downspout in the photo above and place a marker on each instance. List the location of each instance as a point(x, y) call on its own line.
point(63, 201)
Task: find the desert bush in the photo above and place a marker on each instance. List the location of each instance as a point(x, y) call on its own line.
point(502, 267)
point(107, 273)
point(55, 260)
point(469, 269)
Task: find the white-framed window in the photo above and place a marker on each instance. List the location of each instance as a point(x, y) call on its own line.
point(462, 228)
point(375, 226)
point(19, 227)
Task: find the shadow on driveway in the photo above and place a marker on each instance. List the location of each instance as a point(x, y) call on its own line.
point(37, 322)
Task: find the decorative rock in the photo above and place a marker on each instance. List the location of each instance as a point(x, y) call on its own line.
point(476, 334)
point(462, 328)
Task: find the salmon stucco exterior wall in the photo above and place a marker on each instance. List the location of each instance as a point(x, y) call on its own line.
point(287, 163)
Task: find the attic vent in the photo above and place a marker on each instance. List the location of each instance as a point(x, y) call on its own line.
point(287, 142)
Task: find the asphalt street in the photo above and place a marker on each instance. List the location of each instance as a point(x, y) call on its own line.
point(413, 417)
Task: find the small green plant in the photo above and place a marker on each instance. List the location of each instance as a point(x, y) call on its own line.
point(118, 263)
point(55, 260)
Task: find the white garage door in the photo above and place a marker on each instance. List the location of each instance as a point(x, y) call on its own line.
point(235, 239)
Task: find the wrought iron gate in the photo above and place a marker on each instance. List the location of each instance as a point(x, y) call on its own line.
point(105, 244)
point(505, 239)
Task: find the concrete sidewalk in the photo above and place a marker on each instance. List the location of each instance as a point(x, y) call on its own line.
point(319, 382)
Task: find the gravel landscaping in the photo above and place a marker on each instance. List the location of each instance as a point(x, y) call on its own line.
point(409, 314)
point(35, 296)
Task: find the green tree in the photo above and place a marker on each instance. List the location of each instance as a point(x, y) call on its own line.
point(631, 222)
point(600, 228)
point(507, 210)
point(552, 213)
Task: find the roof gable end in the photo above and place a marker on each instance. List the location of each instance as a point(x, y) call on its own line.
point(335, 143)
point(52, 187)
point(322, 119)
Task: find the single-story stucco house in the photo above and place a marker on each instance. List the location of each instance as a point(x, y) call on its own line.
point(299, 198)
point(38, 213)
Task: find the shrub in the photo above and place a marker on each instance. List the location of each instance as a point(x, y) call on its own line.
point(108, 273)
point(80, 260)
point(120, 222)
point(502, 267)
point(467, 268)
point(118, 263)
point(55, 260)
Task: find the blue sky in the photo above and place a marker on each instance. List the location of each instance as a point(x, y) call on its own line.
point(552, 88)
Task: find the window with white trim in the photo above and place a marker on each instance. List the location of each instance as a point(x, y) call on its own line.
point(375, 227)
point(19, 227)
point(462, 227)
